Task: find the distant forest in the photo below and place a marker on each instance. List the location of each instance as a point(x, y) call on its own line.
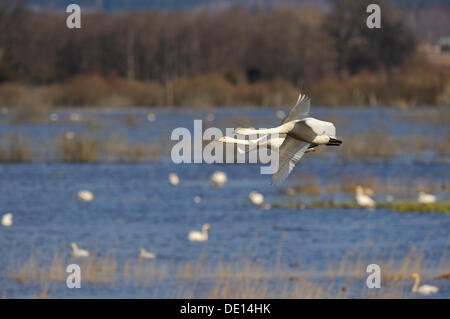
point(300, 45)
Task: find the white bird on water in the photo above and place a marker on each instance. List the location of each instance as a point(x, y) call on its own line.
point(151, 117)
point(256, 198)
point(85, 196)
point(78, 252)
point(173, 179)
point(363, 199)
point(302, 132)
point(197, 199)
point(424, 198)
point(7, 219)
point(202, 235)
point(143, 254)
point(218, 179)
point(424, 289)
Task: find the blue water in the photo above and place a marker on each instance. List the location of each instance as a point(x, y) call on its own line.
point(135, 207)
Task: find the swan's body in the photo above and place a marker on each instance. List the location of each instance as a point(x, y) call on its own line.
point(218, 179)
point(151, 117)
point(256, 198)
point(7, 220)
point(424, 289)
point(424, 198)
point(77, 252)
point(363, 199)
point(173, 179)
point(85, 196)
point(197, 199)
point(269, 142)
point(143, 254)
point(301, 132)
point(199, 235)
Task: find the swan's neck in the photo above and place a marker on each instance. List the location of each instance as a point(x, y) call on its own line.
point(416, 284)
point(282, 129)
point(237, 141)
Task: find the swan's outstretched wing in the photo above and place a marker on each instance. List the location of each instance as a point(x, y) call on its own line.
point(300, 110)
point(290, 152)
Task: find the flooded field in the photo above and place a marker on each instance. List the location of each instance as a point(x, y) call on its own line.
point(293, 249)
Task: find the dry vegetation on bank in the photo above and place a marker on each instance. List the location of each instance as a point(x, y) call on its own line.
point(235, 56)
point(239, 279)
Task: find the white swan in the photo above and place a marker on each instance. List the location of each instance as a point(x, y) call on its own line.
point(363, 199)
point(173, 179)
point(75, 117)
point(271, 142)
point(77, 252)
point(85, 196)
point(218, 179)
point(143, 254)
point(424, 289)
point(424, 198)
point(7, 219)
point(199, 235)
point(256, 198)
point(197, 199)
point(151, 117)
point(301, 132)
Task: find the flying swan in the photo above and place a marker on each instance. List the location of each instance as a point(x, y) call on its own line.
point(301, 132)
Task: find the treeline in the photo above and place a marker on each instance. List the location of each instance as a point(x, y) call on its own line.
point(301, 47)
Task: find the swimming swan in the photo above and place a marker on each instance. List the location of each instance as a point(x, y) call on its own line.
point(424, 289)
point(256, 198)
point(301, 132)
point(173, 179)
point(218, 179)
point(77, 252)
point(363, 199)
point(199, 235)
point(143, 254)
point(85, 196)
point(7, 219)
point(424, 198)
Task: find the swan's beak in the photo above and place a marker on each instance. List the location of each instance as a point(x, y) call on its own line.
point(221, 139)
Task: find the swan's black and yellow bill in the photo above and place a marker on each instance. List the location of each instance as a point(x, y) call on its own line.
point(334, 142)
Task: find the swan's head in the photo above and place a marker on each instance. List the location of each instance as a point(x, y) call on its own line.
point(206, 227)
point(73, 245)
point(415, 275)
point(225, 139)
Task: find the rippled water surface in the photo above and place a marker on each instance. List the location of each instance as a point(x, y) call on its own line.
point(135, 207)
